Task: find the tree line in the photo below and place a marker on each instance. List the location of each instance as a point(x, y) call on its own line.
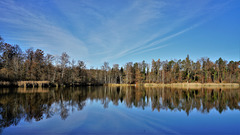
point(35, 65)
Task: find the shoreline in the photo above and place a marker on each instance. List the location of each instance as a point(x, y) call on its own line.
point(30, 84)
point(41, 84)
point(183, 85)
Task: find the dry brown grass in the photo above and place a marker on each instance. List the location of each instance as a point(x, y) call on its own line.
point(194, 85)
point(32, 82)
point(183, 85)
point(4, 83)
point(22, 83)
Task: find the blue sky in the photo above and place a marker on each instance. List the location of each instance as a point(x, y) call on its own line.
point(120, 31)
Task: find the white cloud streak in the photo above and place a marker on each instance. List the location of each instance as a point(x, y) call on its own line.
point(36, 29)
point(98, 31)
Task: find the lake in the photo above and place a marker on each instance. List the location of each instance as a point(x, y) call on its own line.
point(119, 110)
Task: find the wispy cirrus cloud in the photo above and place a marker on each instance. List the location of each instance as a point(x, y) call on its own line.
point(38, 30)
point(98, 31)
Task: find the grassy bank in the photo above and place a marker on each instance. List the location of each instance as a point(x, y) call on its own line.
point(184, 85)
point(172, 85)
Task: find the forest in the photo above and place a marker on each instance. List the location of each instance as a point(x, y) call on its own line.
point(35, 65)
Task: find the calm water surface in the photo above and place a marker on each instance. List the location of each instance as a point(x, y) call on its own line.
point(119, 110)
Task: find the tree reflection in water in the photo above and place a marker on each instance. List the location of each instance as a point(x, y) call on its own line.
point(37, 104)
